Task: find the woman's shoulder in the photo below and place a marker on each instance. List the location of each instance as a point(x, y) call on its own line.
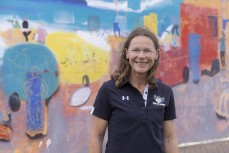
point(163, 85)
point(108, 84)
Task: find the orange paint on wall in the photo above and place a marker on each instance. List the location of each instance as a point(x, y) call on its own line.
point(209, 3)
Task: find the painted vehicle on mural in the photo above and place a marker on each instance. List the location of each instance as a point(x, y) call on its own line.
point(173, 68)
point(174, 59)
point(31, 72)
point(199, 37)
point(194, 51)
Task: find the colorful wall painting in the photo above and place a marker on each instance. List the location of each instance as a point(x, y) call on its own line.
point(55, 54)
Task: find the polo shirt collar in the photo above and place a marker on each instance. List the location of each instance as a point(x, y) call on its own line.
point(126, 80)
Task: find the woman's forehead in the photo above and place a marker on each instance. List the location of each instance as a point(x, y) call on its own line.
point(141, 40)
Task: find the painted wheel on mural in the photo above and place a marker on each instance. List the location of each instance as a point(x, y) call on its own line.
point(185, 74)
point(85, 81)
point(215, 67)
point(80, 96)
point(14, 102)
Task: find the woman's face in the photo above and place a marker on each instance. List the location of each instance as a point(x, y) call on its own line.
point(141, 54)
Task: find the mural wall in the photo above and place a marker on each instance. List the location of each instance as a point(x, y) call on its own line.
point(55, 54)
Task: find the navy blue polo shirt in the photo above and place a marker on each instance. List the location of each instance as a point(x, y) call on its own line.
point(132, 126)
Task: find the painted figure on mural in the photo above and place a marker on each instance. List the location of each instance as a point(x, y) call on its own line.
point(116, 28)
point(36, 113)
point(137, 109)
point(25, 28)
point(222, 49)
point(175, 29)
point(15, 23)
point(222, 108)
point(40, 35)
point(6, 127)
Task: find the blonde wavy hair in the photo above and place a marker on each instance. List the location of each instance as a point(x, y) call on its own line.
point(123, 67)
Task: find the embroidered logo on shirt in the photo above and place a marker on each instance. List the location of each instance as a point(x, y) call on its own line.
point(125, 98)
point(158, 100)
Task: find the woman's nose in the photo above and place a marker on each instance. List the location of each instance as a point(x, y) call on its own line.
point(141, 54)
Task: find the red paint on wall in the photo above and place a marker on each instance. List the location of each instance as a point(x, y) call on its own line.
point(202, 21)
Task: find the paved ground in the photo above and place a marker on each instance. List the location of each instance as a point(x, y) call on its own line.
point(212, 147)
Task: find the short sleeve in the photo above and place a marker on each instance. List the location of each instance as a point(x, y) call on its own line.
point(170, 110)
point(101, 107)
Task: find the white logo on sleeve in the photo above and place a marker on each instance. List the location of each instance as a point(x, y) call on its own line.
point(92, 110)
point(125, 98)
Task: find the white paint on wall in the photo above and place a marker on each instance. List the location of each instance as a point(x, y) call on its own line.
point(122, 6)
point(48, 143)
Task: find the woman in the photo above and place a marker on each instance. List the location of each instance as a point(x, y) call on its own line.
point(138, 110)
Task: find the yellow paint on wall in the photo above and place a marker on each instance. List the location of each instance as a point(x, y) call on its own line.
point(151, 22)
point(15, 36)
point(115, 42)
point(77, 57)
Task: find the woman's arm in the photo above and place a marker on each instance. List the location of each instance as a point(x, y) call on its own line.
point(97, 134)
point(170, 140)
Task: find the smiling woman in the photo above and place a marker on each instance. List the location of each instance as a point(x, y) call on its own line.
point(137, 109)
point(141, 55)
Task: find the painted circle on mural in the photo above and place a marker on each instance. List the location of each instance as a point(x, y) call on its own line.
point(29, 69)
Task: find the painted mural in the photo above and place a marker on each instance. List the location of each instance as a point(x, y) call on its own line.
point(55, 54)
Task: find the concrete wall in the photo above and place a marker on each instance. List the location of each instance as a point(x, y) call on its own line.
point(53, 67)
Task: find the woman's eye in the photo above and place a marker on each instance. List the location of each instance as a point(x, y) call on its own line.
point(148, 51)
point(135, 50)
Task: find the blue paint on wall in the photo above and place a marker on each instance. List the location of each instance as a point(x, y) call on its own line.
point(20, 59)
point(48, 11)
point(194, 58)
point(35, 115)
